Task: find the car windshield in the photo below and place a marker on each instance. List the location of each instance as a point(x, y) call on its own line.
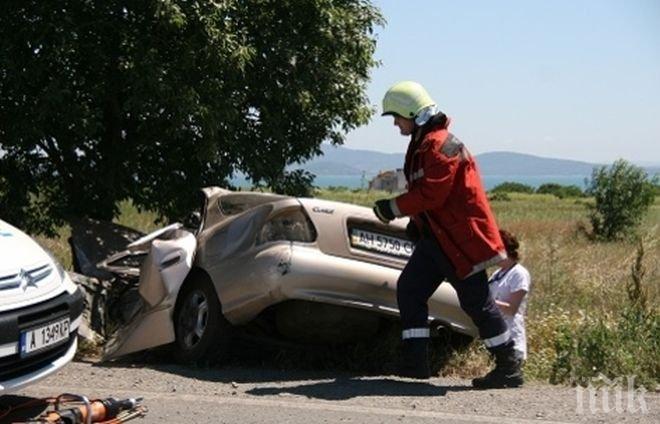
point(235, 203)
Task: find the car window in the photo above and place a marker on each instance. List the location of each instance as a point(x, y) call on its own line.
point(291, 225)
point(239, 234)
point(232, 204)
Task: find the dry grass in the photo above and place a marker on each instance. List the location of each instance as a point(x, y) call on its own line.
point(574, 279)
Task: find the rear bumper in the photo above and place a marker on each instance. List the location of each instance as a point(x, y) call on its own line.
point(17, 371)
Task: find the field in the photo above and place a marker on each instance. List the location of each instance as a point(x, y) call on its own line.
point(581, 319)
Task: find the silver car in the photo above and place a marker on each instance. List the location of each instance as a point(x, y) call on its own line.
point(309, 267)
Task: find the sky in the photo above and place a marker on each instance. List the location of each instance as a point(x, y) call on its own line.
point(563, 79)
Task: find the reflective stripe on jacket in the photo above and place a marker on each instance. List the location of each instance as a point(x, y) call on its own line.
point(445, 187)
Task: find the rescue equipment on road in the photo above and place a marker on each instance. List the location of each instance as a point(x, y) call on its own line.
point(70, 408)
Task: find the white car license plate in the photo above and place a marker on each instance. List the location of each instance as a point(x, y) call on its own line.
point(381, 243)
point(45, 336)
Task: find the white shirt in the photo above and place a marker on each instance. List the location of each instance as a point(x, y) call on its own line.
point(502, 284)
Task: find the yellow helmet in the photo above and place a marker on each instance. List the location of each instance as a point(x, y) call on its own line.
point(406, 99)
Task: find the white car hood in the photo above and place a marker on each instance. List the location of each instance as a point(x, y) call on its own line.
point(27, 273)
point(17, 249)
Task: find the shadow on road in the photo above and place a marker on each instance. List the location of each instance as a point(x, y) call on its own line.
point(15, 408)
point(346, 388)
point(343, 385)
point(234, 371)
point(251, 362)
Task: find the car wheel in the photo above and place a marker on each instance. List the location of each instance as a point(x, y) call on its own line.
point(200, 328)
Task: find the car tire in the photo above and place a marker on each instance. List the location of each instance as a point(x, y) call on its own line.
point(202, 332)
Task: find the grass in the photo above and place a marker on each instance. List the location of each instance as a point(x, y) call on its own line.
point(578, 284)
point(579, 316)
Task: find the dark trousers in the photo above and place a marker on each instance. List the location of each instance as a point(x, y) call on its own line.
point(426, 269)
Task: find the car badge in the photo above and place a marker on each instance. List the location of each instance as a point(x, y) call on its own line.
point(26, 279)
point(318, 209)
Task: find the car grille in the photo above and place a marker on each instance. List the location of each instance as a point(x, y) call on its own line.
point(30, 276)
point(39, 317)
point(14, 366)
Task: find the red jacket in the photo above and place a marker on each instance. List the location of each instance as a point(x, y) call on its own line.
point(445, 186)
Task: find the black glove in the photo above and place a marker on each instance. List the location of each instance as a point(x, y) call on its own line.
point(412, 232)
point(383, 210)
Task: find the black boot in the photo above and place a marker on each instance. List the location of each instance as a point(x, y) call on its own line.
point(507, 372)
point(414, 359)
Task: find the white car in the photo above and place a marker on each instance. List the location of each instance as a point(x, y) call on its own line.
point(40, 312)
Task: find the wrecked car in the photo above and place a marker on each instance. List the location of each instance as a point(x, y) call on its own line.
point(301, 268)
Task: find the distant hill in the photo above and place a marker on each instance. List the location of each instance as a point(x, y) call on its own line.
point(344, 161)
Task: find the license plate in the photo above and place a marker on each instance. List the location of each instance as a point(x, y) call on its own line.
point(381, 243)
point(44, 337)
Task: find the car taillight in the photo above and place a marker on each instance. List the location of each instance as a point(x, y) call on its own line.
point(290, 225)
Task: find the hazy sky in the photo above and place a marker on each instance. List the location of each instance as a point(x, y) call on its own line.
point(566, 79)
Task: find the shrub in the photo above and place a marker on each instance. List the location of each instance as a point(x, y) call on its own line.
point(626, 346)
point(629, 346)
point(512, 187)
point(560, 191)
point(499, 196)
point(623, 194)
point(656, 185)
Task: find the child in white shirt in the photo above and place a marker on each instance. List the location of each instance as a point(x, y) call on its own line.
point(510, 285)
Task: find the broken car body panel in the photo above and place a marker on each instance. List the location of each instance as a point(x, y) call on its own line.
point(262, 249)
point(169, 257)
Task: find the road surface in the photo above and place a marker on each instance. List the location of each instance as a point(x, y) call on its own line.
point(235, 394)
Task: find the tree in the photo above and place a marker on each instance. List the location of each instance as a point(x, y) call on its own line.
point(151, 100)
point(623, 194)
point(297, 183)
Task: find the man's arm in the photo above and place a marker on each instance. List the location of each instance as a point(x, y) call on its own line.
point(431, 192)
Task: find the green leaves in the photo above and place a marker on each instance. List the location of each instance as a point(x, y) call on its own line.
point(151, 100)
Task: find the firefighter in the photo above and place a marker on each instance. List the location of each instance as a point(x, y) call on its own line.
point(456, 236)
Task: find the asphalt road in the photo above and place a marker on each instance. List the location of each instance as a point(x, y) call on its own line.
point(180, 394)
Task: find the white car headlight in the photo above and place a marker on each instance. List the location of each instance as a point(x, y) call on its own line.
point(69, 285)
